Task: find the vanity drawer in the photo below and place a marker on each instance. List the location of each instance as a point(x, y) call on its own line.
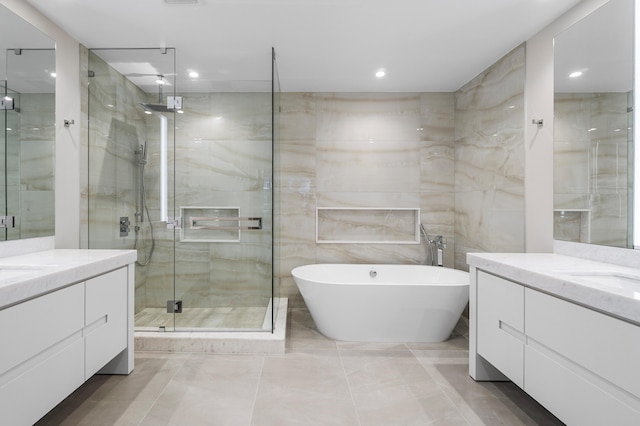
point(500, 325)
point(43, 354)
point(575, 398)
point(603, 345)
point(41, 326)
point(106, 319)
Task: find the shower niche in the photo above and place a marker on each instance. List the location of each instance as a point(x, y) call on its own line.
point(191, 164)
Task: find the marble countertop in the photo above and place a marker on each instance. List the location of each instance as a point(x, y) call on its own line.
point(605, 287)
point(29, 275)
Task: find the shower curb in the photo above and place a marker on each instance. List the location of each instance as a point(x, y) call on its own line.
point(224, 342)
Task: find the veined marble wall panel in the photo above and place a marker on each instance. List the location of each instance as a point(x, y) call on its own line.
point(159, 277)
point(370, 253)
point(298, 119)
point(437, 171)
point(225, 116)
point(368, 166)
point(367, 117)
point(232, 165)
point(489, 160)
point(364, 225)
point(368, 142)
point(328, 161)
point(297, 188)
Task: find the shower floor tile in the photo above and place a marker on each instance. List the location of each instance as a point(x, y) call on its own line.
point(201, 318)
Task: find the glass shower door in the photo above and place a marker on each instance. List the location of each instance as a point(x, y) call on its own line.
point(129, 170)
point(224, 186)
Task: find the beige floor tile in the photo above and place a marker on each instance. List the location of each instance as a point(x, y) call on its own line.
point(318, 381)
point(209, 389)
point(304, 389)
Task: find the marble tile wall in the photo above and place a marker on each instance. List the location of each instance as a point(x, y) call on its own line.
point(590, 167)
point(378, 150)
point(489, 160)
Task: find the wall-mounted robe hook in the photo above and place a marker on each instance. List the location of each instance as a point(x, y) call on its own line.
point(539, 122)
point(67, 123)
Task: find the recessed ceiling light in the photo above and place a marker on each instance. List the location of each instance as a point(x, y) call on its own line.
point(160, 79)
point(575, 74)
point(147, 112)
point(53, 74)
point(194, 74)
point(381, 73)
point(592, 129)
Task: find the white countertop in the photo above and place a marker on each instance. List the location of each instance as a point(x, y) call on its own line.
point(605, 287)
point(29, 275)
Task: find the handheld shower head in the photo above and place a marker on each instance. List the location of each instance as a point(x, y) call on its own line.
point(141, 154)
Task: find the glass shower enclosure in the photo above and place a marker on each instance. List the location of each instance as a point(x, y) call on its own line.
point(182, 171)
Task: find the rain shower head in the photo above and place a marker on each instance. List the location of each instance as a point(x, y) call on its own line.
point(159, 107)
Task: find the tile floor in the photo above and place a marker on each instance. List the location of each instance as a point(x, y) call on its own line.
point(317, 381)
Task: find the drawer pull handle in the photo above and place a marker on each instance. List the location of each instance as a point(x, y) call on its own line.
point(511, 331)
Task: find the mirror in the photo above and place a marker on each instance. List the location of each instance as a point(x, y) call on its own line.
point(27, 132)
point(593, 134)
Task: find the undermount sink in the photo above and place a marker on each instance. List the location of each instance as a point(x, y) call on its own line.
point(609, 279)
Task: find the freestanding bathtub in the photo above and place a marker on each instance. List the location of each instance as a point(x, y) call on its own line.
point(383, 303)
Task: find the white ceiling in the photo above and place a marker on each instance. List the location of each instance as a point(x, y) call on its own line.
point(321, 45)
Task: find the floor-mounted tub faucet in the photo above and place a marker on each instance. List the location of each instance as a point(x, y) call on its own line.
point(440, 244)
point(436, 246)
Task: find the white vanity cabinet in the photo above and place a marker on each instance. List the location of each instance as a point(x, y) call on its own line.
point(52, 343)
point(580, 364)
point(42, 355)
point(501, 325)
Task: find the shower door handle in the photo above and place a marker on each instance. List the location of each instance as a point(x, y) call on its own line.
point(174, 222)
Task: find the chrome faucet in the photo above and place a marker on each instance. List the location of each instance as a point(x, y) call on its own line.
point(440, 244)
point(435, 246)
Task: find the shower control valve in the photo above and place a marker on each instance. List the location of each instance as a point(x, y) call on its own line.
point(124, 226)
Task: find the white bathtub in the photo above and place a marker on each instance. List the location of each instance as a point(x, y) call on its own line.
point(401, 303)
